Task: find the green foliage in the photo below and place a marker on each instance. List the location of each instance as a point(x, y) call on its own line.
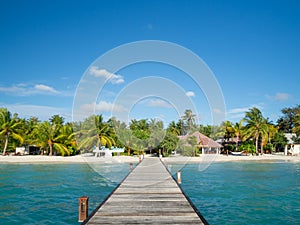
point(230, 147)
point(268, 147)
point(279, 141)
point(256, 125)
point(169, 143)
point(57, 137)
point(187, 151)
point(296, 127)
point(286, 122)
point(10, 128)
point(188, 121)
point(248, 147)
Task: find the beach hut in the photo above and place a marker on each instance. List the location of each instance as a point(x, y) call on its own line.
point(291, 148)
point(206, 144)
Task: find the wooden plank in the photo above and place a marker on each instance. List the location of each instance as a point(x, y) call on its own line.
point(149, 195)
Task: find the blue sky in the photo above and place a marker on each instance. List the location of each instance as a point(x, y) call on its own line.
point(252, 47)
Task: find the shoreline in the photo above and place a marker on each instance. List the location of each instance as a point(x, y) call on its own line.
point(38, 159)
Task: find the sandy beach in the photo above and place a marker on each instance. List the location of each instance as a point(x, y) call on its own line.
point(28, 159)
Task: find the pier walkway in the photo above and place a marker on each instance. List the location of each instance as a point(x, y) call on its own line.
point(148, 195)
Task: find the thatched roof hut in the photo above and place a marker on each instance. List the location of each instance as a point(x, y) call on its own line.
point(203, 141)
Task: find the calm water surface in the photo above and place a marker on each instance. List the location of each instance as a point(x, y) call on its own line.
point(225, 193)
point(48, 194)
point(245, 192)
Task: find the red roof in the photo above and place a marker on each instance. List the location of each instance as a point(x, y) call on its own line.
point(202, 140)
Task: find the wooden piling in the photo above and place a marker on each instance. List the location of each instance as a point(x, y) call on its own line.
point(83, 208)
point(179, 177)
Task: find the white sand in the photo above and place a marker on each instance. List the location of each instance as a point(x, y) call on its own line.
point(135, 159)
point(69, 159)
point(233, 158)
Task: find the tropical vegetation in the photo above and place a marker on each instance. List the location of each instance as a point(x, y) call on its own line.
point(254, 134)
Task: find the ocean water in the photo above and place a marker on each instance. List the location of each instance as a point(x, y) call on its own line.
point(225, 193)
point(245, 192)
point(48, 193)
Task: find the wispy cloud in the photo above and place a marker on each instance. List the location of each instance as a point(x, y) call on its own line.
point(238, 110)
point(25, 89)
point(45, 88)
point(280, 97)
point(239, 113)
point(158, 103)
point(190, 94)
point(113, 78)
point(41, 112)
point(102, 106)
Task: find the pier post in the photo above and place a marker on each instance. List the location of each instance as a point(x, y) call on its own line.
point(179, 177)
point(83, 208)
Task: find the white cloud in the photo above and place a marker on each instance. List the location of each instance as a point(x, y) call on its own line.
point(282, 97)
point(238, 110)
point(102, 106)
point(279, 97)
point(25, 89)
point(114, 78)
point(239, 113)
point(45, 88)
point(159, 103)
point(41, 112)
point(190, 94)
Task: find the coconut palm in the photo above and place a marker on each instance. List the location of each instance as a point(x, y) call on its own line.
point(57, 119)
point(50, 135)
point(256, 125)
point(68, 137)
point(180, 127)
point(173, 128)
point(296, 121)
point(227, 129)
point(237, 130)
point(189, 119)
point(10, 127)
point(101, 134)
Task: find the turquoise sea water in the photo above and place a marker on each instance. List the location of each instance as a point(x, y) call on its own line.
point(225, 193)
point(48, 193)
point(245, 192)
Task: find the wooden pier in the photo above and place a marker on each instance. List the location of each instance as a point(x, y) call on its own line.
point(148, 195)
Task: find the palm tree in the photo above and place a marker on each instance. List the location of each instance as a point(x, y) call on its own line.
point(189, 118)
point(296, 121)
point(100, 134)
point(180, 127)
point(9, 127)
point(173, 128)
point(68, 137)
point(237, 129)
point(29, 126)
point(57, 119)
point(227, 129)
point(256, 125)
point(51, 136)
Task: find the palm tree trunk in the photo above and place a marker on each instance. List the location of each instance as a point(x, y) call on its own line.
point(128, 151)
point(237, 143)
point(51, 149)
point(256, 145)
point(5, 145)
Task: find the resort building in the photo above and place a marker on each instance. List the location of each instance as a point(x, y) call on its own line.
point(206, 144)
point(291, 147)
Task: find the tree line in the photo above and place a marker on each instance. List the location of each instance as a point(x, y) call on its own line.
point(254, 133)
